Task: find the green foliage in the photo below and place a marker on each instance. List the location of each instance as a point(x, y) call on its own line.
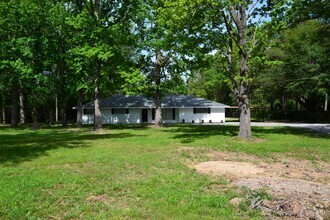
point(53, 48)
point(134, 82)
point(159, 50)
point(211, 80)
point(302, 10)
point(297, 65)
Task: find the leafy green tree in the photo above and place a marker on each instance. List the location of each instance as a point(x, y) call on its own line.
point(300, 66)
point(58, 55)
point(159, 56)
point(103, 30)
point(23, 51)
point(302, 10)
point(307, 63)
point(235, 29)
point(210, 80)
point(244, 33)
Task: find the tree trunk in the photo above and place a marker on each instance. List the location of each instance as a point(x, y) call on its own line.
point(3, 110)
point(240, 85)
point(51, 115)
point(21, 108)
point(326, 102)
point(97, 111)
point(158, 111)
point(64, 119)
point(35, 118)
point(244, 120)
point(283, 103)
point(56, 109)
point(62, 99)
point(160, 62)
point(14, 110)
point(79, 110)
point(272, 105)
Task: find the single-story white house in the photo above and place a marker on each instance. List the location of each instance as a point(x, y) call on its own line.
point(136, 109)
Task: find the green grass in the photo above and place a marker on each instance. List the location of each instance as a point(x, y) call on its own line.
point(131, 172)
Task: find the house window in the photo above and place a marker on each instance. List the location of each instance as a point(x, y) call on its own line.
point(120, 111)
point(88, 111)
point(168, 113)
point(202, 110)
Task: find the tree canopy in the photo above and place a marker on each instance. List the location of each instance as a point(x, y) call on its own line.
point(58, 54)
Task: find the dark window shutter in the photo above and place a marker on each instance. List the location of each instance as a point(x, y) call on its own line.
point(194, 110)
point(112, 111)
point(173, 114)
point(153, 114)
point(209, 110)
point(127, 111)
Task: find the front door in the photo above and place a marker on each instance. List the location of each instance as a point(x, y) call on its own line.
point(144, 115)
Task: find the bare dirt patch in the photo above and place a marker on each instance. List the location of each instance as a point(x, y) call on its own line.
point(216, 168)
point(300, 189)
point(98, 198)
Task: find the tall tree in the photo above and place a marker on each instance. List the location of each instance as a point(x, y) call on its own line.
point(161, 60)
point(238, 15)
point(103, 30)
point(237, 24)
point(299, 65)
point(156, 57)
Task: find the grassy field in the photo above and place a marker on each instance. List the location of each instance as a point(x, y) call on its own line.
point(131, 172)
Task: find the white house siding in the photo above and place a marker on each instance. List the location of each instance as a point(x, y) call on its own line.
point(216, 115)
point(134, 117)
point(88, 119)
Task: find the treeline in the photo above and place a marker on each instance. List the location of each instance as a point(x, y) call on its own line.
point(56, 54)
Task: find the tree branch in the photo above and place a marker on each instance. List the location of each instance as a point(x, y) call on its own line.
point(254, 42)
point(252, 8)
point(235, 17)
point(229, 29)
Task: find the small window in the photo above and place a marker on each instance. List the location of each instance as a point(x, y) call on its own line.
point(120, 111)
point(202, 110)
point(168, 113)
point(88, 111)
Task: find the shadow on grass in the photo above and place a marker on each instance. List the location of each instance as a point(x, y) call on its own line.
point(192, 133)
point(73, 126)
point(18, 146)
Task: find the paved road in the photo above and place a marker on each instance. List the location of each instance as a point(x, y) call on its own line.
point(323, 128)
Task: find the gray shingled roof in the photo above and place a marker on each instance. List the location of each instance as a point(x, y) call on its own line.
point(180, 101)
point(171, 101)
point(124, 101)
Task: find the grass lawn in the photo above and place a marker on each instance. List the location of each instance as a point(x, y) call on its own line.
point(131, 172)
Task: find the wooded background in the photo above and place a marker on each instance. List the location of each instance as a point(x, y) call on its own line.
point(271, 55)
